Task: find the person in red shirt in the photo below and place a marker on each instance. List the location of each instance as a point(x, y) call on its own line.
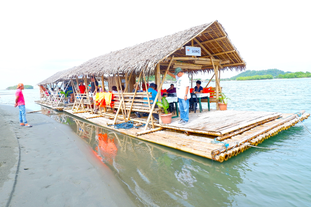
point(20, 102)
point(82, 87)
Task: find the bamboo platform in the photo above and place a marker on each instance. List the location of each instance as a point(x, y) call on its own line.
point(58, 108)
point(216, 135)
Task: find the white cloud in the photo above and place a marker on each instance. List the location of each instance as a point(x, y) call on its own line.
point(39, 38)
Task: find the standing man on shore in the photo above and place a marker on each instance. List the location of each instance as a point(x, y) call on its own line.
point(183, 94)
point(20, 102)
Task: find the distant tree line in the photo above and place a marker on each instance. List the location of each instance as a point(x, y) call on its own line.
point(14, 87)
point(295, 75)
point(255, 77)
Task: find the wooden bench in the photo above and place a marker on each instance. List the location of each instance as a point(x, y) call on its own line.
point(137, 103)
point(80, 100)
point(212, 96)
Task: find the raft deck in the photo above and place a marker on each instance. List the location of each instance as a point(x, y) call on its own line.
point(217, 135)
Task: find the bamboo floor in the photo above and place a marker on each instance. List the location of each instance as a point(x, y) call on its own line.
point(217, 135)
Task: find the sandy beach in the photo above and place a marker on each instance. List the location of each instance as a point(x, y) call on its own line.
point(48, 165)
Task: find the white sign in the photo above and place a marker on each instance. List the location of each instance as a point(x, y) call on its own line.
point(193, 51)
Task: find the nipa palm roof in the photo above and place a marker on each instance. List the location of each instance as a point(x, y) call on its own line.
point(211, 37)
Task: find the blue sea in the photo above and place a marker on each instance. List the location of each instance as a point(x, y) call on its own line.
point(278, 174)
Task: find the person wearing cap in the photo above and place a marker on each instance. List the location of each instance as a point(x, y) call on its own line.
point(183, 93)
point(20, 102)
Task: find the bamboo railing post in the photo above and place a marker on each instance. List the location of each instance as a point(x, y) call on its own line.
point(133, 98)
point(159, 92)
point(148, 97)
point(121, 99)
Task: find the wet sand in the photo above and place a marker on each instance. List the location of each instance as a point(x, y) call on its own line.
point(56, 168)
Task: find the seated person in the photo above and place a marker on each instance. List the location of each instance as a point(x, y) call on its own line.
point(198, 88)
point(171, 89)
point(171, 105)
point(114, 89)
point(136, 85)
point(81, 87)
point(154, 93)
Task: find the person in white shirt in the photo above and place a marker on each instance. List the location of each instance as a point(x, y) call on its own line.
point(183, 93)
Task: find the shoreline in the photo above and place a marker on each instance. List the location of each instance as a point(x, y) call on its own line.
point(56, 167)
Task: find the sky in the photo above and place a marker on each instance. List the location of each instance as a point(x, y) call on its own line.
point(40, 38)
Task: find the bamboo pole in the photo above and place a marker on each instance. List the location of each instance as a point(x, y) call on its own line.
point(134, 97)
point(149, 131)
point(148, 98)
point(191, 80)
point(87, 93)
point(103, 83)
point(159, 92)
point(217, 87)
point(129, 79)
point(122, 99)
point(210, 80)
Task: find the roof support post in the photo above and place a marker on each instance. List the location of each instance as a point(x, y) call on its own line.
point(191, 80)
point(87, 92)
point(217, 86)
point(103, 84)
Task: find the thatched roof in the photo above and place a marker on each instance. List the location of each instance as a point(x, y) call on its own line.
point(212, 39)
point(136, 58)
point(57, 77)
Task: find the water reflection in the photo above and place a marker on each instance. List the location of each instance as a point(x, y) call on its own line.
point(155, 175)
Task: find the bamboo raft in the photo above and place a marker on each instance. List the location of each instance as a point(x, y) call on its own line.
point(230, 133)
point(217, 135)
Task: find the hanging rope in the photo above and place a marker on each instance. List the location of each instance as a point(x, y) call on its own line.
point(127, 125)
point(297, 114)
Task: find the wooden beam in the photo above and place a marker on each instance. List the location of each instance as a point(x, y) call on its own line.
point(234, 64)
point(204, 62)
point(187, 66)
point(221, 53)
point(208, 41)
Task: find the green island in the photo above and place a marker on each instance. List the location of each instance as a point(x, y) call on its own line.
point(267, 74)
point(251, 75)
point(14, 87)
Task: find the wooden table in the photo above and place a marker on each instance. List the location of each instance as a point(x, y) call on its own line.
point(175, 101)
point(203, 95)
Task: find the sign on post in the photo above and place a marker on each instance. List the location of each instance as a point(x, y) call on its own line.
point(193, 51)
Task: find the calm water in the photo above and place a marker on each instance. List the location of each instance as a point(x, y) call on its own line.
point(158, 176)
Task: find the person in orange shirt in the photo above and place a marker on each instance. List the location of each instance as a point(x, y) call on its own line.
point(20, 102)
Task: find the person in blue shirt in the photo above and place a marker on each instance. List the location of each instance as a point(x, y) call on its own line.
point(154, 93)
point(152, 90)
point(198, 88)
